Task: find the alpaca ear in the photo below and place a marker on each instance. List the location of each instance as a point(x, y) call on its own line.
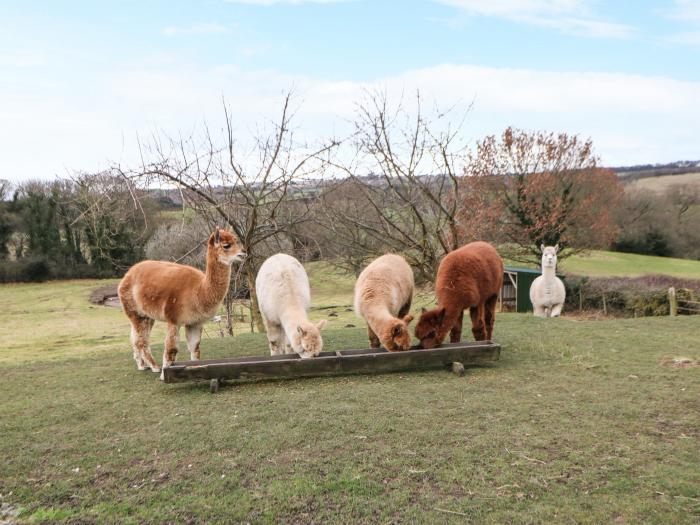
point(321, 324)
point(423, 310)
point(542, 247)
point(407, 318)
point(217, 236)
point(440, 317)
point(301, 331)
point(556, 248)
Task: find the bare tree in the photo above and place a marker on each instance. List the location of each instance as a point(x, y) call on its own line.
point(248, 190)
point(399, 184)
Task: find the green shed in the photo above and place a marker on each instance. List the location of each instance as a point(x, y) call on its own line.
point(515, 294)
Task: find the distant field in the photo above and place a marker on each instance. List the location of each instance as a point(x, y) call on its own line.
point(661, 184)
point(615, 264)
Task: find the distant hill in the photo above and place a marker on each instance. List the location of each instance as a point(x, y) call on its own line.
point(642, 171)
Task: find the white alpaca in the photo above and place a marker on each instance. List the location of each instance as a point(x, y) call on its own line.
point(547, 292)
point(284, 297)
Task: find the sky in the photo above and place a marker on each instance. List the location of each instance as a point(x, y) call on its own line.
point(83, 83)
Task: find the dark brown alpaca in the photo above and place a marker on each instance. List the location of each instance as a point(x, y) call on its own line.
point(469, 277)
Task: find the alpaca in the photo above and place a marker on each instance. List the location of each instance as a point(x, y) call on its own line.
point(178, 295)
point(547, 292)
point(284, 297)
point(383, 295)
point(469, 277)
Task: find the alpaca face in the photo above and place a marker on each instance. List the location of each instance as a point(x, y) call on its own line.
point(310, 339)
point(549, 256)
point(397, 337)
point(226, 246)
point(428, 326)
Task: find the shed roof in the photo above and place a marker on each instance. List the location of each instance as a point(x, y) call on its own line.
point(514, 269)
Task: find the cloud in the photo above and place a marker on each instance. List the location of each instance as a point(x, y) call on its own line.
point(569, 16)
point(631, 118)
point(686, 12)
point(197, 29)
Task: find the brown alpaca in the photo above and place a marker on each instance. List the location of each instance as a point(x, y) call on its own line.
point(469, 277)
point(383, 295)
point(178, 295)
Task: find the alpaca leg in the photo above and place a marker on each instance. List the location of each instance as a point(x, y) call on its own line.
point(142, 326)
point(490, 316)
point(539, 310)
point(276, 338)
point(140, 363)
point(193, 333)
point(456, 331)
point(373, 339)
point(477, 315)
point(405, 308)
point(556, 310)
point(172, 339)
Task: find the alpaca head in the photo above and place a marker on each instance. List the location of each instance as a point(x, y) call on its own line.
point(309, 339)
point(428, 327)
point(396, 335)
point(549, 256)
point(225, 247)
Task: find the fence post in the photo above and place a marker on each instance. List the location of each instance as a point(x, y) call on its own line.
point(672, 302)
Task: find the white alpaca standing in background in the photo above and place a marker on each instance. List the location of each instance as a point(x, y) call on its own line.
point(284, 297)
point(547, 292)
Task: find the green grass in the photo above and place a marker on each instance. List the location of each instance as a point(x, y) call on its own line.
point(578, 423)
point(616, 264)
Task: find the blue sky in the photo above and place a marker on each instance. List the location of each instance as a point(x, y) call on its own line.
point(79, 81)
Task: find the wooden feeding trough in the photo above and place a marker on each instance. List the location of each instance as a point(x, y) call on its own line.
point(342, 362)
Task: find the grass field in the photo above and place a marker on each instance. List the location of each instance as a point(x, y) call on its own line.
point(616, 264)
point(580, 422)
point(663, 183)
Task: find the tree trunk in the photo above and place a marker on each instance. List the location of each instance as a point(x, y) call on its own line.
point(254, 309)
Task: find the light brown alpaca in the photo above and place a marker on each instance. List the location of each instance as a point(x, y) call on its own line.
point(178, 295)
point(383, 295)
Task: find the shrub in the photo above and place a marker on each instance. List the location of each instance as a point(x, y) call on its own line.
point(626, 296)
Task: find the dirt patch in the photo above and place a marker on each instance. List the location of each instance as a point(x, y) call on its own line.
point(106, 296)
point(679, 362)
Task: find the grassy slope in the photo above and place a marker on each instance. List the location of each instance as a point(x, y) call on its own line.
point(577, 423)
point(615, 264)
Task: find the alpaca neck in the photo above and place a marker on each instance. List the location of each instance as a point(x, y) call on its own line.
point(378, 316)
point(549, 272)
point(216, 281)
point(293, 316)
point(451, 316)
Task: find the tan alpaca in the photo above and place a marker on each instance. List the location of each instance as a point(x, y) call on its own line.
point(178, 295)
point(383, 295)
